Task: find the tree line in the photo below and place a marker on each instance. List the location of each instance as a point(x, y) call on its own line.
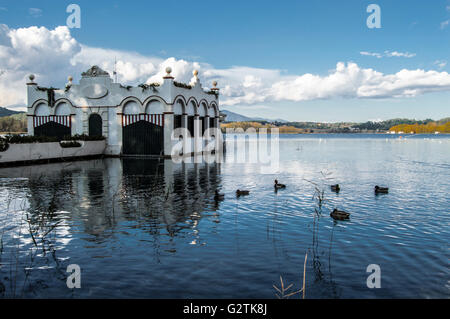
point(16, 123)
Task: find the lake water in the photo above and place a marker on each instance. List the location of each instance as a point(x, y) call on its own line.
point(141, 228)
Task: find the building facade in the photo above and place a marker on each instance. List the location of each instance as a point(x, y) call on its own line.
point(138, 120)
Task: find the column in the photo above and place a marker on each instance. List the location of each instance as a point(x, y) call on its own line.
point(30, 125)
point(197, 134)
point(168, 129)
point(206, 140)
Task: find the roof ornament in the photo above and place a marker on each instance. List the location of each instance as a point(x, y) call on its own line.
point(215, 88)
point(94, 72)
point(195, 80)
point(168, 71)
point(69, 84)
point(31, 77)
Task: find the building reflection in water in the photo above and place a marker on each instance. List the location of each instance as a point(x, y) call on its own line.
point(98, 195)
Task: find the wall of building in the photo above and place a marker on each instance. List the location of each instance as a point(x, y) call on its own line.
point(49, 151)
point(97, 93)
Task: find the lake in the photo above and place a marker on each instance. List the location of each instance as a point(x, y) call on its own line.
point(145, 228)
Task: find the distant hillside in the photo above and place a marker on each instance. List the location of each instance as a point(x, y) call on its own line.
point(235, 117)
point(7, 112)
point(404, 125)
point(441, 126)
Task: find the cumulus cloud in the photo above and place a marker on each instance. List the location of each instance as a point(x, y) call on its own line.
point(32, 50)
point(52, 55)
point(351, 81)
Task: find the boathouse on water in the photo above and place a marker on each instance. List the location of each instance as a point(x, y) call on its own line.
point(134, 120)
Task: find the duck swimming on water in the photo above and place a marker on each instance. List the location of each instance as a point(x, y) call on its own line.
point(218, 196)
point(381, 190)
point(240, 192)
point(278, 185)
point(339, 214)
point(335, 188)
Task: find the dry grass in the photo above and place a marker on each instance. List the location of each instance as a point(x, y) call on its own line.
point(283, 292)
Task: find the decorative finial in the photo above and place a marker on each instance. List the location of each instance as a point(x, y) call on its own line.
point(168, 71)
point(215, 88)
point(31, 77)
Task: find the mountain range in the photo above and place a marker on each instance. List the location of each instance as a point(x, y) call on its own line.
point(235, 117)
point(7, 112)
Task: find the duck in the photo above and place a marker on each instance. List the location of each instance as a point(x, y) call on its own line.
point(218, 196)
point(278, 185)
point(381, 190)
point(335, 188)
point(339, 214)
point(240, 192)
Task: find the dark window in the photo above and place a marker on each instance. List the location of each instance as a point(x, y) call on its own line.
point(204, 123)
point(191, 125)
point(95, 125)
point(177, 121)
point(211, 122)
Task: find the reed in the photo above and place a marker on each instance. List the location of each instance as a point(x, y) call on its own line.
point(38, 224)
point(283, 292)
point(304, 276)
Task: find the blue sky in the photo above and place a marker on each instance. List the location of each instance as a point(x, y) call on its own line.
point(269, 43)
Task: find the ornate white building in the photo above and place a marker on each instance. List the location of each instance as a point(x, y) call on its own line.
point(135, 120)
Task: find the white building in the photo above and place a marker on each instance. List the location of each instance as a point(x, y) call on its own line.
point(135, 120)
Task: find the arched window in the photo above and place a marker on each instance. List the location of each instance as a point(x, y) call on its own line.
point(42, 110)
point(63, 109)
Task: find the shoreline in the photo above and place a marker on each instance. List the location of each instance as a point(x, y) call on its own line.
point(350, 133)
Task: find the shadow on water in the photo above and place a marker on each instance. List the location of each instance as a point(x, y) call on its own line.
point(93, 200)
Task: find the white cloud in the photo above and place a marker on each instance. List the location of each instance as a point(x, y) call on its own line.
point(35, 12)
point(52, 55)
point(351, 81)
point(44, 52)
point(378, 55)
point(440, 63)
point(388, 54)
point(399, 54)
point(3, 9)
point(444, 24)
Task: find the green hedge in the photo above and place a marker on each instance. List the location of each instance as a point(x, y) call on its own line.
point(3, 144)
point(182, 85)
point(26, 139)
point(84, 137)
point(70, 144)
